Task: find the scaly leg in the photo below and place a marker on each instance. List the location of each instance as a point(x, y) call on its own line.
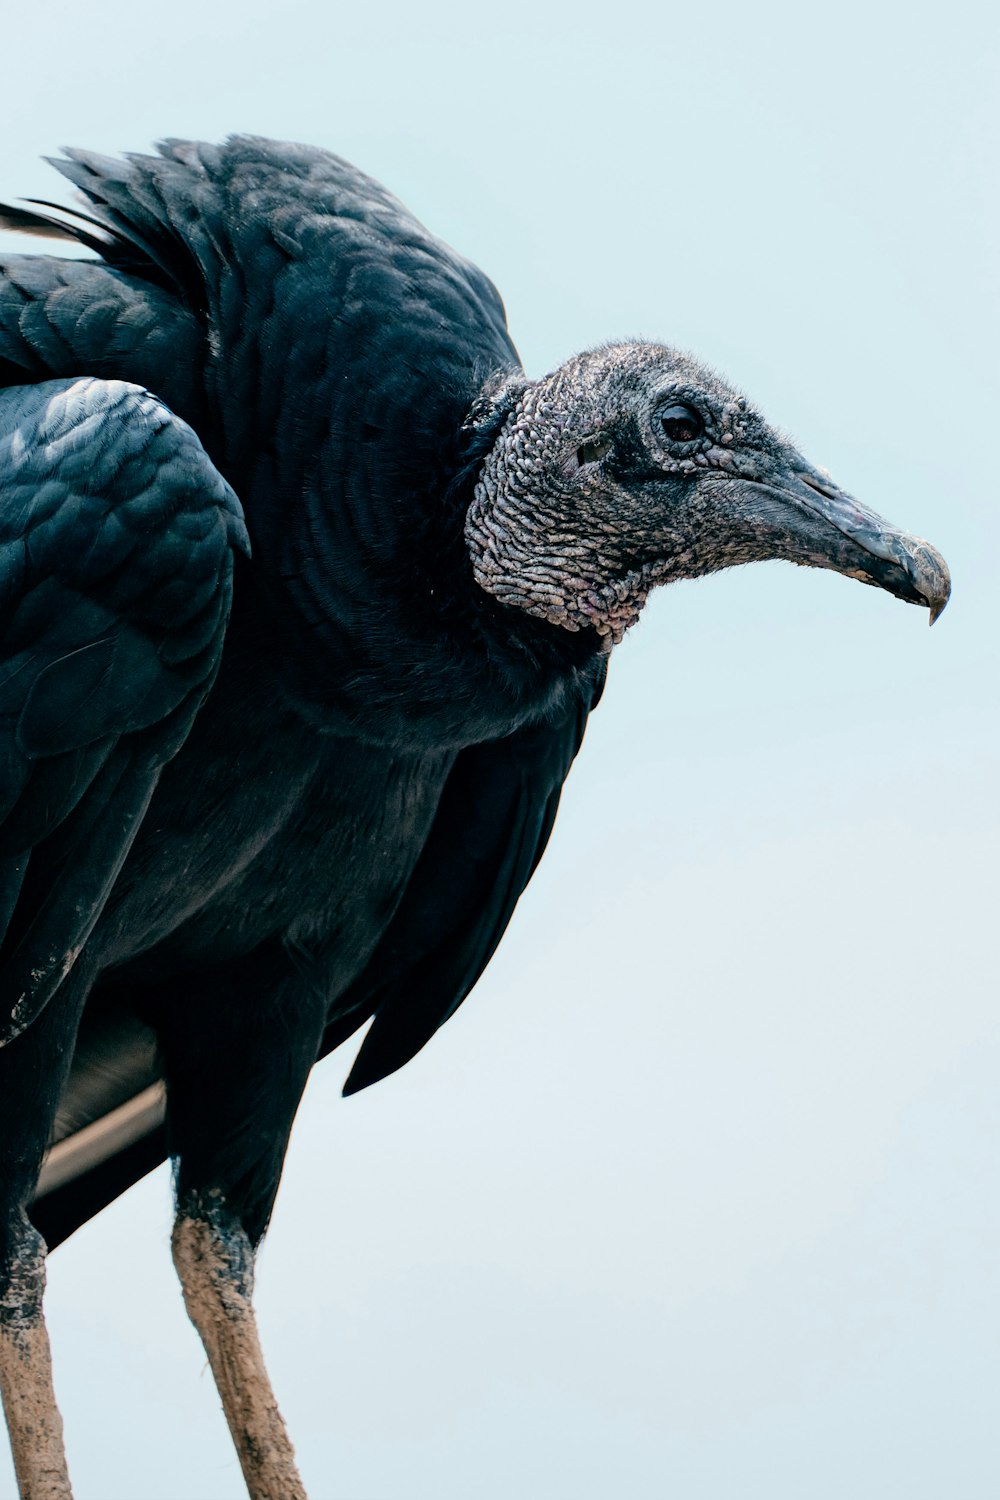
point(237, 1045)
point(215, 1263)
point(32, 1070)
point(29, 1401)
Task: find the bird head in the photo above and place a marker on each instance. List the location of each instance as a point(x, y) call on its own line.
point(634, 465)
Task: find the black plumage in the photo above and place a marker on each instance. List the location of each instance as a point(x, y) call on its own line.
point(227, 847)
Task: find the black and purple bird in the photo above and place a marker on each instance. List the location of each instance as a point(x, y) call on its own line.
point(306, 594)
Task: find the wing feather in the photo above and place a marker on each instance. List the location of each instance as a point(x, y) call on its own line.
point(491, 829)
point(116, 554)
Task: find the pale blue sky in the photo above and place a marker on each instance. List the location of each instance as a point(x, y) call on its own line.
point(697, 1196)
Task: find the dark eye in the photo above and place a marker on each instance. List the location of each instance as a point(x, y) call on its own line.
point(682, 423)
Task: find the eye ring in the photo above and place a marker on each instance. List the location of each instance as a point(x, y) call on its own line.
point(681, 422)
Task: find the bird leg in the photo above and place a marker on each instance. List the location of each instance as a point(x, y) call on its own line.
point(29, 1402)
point(215, 1263)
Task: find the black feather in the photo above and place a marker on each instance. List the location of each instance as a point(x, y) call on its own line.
point(346, 826)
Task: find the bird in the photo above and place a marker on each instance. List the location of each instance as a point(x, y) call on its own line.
point(307, 591)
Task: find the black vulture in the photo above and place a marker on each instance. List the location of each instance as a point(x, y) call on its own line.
point(307, 593)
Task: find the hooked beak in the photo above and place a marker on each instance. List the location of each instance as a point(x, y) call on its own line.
point(834, 530)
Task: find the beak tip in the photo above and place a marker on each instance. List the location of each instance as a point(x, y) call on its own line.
point(932, 578)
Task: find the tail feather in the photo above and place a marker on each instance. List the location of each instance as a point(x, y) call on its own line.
point(109, 1129)
point(60, 1213)
point(30, 221)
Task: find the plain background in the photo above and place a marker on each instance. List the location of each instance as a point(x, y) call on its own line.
point(697, 1196)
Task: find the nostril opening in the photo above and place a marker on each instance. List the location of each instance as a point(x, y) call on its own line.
point(828, 491)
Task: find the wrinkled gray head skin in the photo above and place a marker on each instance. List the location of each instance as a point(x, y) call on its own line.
point(634, 465)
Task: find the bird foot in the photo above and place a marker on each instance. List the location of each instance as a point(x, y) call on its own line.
point(33, 1420)
point(214, 1260)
